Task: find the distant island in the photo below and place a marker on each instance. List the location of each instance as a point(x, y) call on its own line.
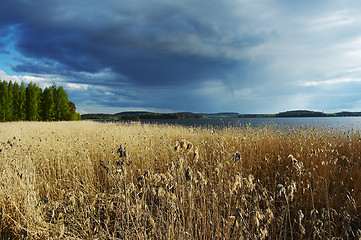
point(138, 115)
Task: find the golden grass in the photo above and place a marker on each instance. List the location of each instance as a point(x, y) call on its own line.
point(88, 180)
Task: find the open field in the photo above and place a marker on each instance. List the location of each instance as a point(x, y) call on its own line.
point(88, 180)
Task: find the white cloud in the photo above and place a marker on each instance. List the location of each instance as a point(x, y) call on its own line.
point(329, 81)
point(332, 19)
point(76, 86)
point(42, 82)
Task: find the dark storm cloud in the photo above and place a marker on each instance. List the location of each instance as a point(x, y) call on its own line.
point(4, 38)
point(145, 46)
point(191, 55)
point(152, 43)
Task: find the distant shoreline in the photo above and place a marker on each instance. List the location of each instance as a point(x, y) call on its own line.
point(137, 115)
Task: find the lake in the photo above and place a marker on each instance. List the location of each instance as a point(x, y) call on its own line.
point(343, 123)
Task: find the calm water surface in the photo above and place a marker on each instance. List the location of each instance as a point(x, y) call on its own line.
point(342, 123)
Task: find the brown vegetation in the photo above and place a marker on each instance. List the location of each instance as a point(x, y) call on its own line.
point(87, 180)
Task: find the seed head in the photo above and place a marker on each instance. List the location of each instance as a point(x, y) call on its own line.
point(293, 159)
point(119, 163)
point(121, 151)
point(189, 146)
point(183, 143)
point(151, 221)
point(237, 157)
point(140, 178)
point(300, 217)
point(188, 174)
point(161, 192)
point(279, 190)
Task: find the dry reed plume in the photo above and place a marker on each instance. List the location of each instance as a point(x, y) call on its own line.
point(87, 180)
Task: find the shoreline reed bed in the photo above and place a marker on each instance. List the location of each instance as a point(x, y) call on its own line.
point(91, 180)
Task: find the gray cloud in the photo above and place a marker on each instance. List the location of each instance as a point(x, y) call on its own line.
point(246, 56)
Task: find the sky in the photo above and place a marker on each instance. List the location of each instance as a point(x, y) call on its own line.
point(205, 56)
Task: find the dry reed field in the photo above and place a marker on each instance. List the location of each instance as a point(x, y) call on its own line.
point(89, 180)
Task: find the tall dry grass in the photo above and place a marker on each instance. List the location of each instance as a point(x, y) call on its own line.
point(87, 180)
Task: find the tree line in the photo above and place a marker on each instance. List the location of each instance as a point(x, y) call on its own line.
point(31, 103)
point(138, 116)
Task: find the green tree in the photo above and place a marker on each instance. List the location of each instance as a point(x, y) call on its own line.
point(32, 102)
point(16, 96)
point(74, 115)
point(72, 108)
point(10, 102)
point(47, 104)
point(62, 110)
point(4, 111)
point(21, 104)
point(2, 101)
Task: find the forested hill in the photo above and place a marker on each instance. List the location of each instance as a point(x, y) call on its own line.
point(301, 113)
point(31, 103)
